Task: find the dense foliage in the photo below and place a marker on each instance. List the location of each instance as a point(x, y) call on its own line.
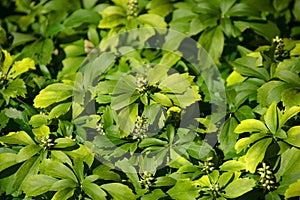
point(149, 99)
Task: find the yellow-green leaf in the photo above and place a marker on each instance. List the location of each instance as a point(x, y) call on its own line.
point(239, 187)
point(256, 154)
point(7, 62)
point(59, 110)
point(294, 136)
point(251, 125)
point(52, 94)
point(271, 117)
point(41, 131)
point(293, 190)
point(19, 138)
point(20, 67)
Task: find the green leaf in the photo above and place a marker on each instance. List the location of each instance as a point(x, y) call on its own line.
point(61, 157)
point(162, 99)
point(53, 93)
point(177, 160)
point(272, 196)
point(268, 30)
point(170, 58)
point(199, 150)
point(14, 114)
point(270, 92)
point(213, 41)
point(174, 83)
point(57, 169)
point(289, 163)
point(38, 184)
point(8, 60)
point(28, 168)
point(243, 9)
point(271, 117)
point(3, 119)
point(293, 190)
point(20, 67)
point(63, 184)
point(152, 142)
point(27, 152)
point(82, 16)
point(21, 38)
point(119, 191)
point(256, 154)
point(288, 114)
point(225, 178)
point(38, 120)
point(157, 73)
point(64, 194)
point(296, 50)
point(227, 138)
point(160, 7)
point(41, 131)
point(239, 187)
point(94, 191)
point(232, 166)
point(127, 118)
point(19, 138)
point(7, 160)
point(64, 143)
point(244, 112)
point(105, 173)
point(155, 194)
point(40, 51)
point(152, 20)
point(14, 88)
point(291, 97)
point(98, 67)
point(112, 21)
point(184, 189)
point(59, 110)
point(190, 96)
point(293, 136)
point(251, 125)
point(83, 153)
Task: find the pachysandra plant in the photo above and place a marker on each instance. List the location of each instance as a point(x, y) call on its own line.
point(105, 100)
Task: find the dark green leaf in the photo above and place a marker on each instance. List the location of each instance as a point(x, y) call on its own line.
point(227, 137)
point(213, 41)
point(82, 16)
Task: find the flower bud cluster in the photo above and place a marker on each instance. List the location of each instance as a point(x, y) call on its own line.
point(46, 142)
point(208, 165)
point(140, 127)
point(141, 84)
point(267, 179)
point(146, 179)
point(279, 51)
point(99, 129)
point(214, 188)
point(132, 7)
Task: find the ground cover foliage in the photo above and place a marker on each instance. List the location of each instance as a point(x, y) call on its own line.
point(109, 100)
